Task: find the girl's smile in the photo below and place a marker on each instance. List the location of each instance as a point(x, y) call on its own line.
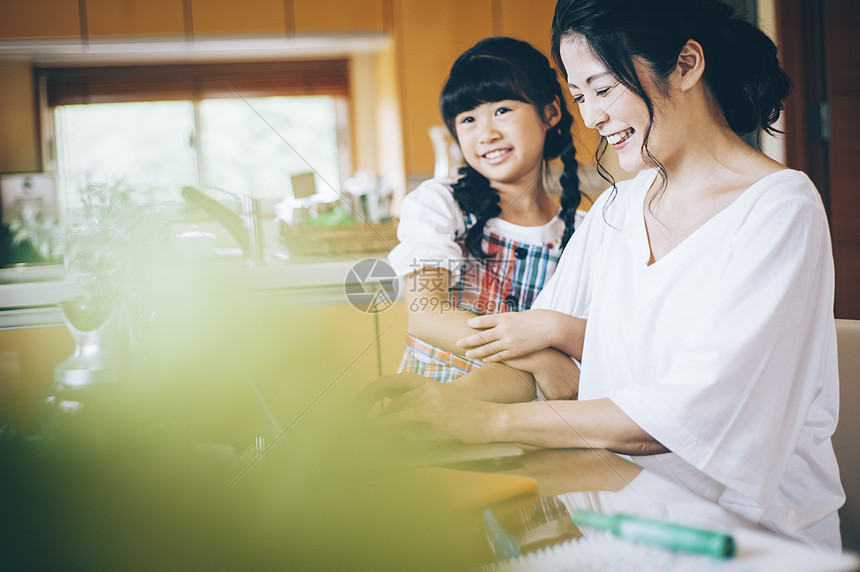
point(497, 155)
point(503, 140)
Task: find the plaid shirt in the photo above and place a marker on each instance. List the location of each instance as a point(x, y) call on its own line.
point(507, 281)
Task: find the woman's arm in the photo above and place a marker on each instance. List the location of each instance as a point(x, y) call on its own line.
point(595, 423)
point(457, 409)
point(513, 334)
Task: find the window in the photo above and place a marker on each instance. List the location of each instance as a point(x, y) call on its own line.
point(148, 144)
point(243, 128)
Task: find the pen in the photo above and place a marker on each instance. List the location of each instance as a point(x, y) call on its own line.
point(502, 544)
point(663, 534)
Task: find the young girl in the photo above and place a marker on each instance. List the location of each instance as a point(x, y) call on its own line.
point(489, 241)
point(707, 280)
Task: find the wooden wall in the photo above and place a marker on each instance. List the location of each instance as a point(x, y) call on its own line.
point(821, 59)
point(427, 37)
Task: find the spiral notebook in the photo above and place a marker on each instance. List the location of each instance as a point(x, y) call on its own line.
point(601, 551)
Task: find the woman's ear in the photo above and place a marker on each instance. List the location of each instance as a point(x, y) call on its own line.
point(552, 113)
point(690, 66)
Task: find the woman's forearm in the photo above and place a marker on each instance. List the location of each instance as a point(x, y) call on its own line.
point(494, 403)
point(597, 423)
point(497, 383)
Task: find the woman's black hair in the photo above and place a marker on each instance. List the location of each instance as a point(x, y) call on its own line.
point(742, 71)
point(496, 69)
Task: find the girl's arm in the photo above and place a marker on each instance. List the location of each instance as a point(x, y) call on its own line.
point(432, 318)
point(458, 409)
point(430, 315)
point(513, 334)
point(515, 380)
point(553, 371)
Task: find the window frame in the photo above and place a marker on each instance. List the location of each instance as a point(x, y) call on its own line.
point(80, 85)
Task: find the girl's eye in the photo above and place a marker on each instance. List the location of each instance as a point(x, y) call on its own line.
point(467, 119)
point(502, 110)
point(578, 98)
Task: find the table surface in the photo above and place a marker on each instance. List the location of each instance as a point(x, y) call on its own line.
point(598, 480)
point(338, 495)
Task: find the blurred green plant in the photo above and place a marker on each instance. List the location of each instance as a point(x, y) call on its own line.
point(109, 248)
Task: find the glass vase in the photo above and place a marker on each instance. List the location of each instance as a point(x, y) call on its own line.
point(85, 398)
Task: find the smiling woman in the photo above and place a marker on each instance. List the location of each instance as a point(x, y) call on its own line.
point(706, 282)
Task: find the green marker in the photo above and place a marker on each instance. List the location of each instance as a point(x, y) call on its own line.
point(663, 534)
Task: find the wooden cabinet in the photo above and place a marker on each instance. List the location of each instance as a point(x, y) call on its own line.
point(231, 17)
point(28, 357)
point(845, 200)
point(532, 22)
point(262, 364)
point(315, 17)
point(107, 18)
point(40, 19)
point(135, 18)
point(238, 366)
point(842, 73)
point(818, 46)
point(528, 21)
point(334, 353)
point(392, 333)
point(429, 36)
point(426, 36)
point(19, 137)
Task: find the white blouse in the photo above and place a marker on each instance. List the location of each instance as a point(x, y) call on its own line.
point(724, 350)
point(431, 219)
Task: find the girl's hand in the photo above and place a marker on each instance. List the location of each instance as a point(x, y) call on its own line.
point(509, 335)
point(554, 372)
point(416, 399)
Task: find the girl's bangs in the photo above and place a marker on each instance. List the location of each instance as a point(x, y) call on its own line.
point(480, 80)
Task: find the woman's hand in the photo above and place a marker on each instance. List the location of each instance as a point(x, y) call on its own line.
point(411, 398)
point(508, 335)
